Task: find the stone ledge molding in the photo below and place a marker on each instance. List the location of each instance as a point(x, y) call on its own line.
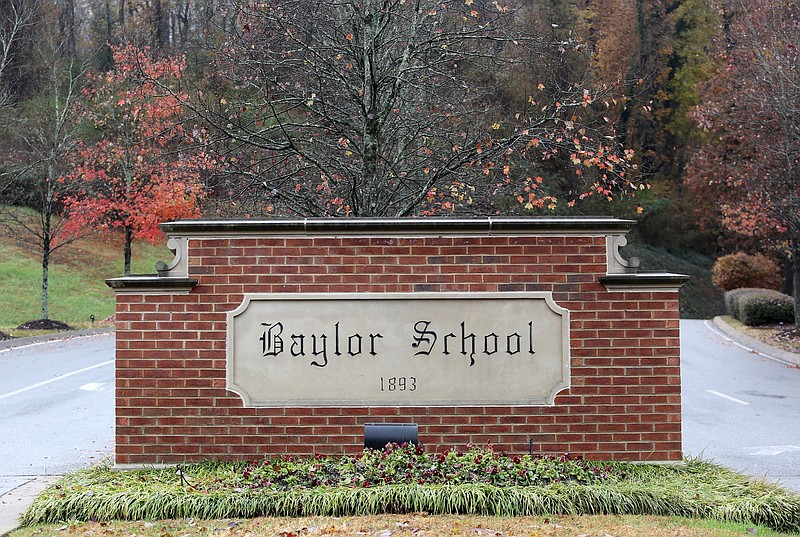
point(180, 231)
point(643, 281)
point(409, 227)
point(151, 284)
point(622, 274)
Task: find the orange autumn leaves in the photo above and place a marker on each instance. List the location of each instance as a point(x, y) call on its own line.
point(146, 165)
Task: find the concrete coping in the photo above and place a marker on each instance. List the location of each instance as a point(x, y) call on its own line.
point(409, 226)
point(638, 281)
point(151, 284)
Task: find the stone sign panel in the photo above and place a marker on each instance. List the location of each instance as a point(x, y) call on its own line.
point(408, 349)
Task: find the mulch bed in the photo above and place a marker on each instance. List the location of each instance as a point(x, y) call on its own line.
point(788, 334)
point(44, 324)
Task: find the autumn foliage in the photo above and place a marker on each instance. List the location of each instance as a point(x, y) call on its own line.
point(740, 270)
point(748, 170)
point(409, 108)
point(145, 168)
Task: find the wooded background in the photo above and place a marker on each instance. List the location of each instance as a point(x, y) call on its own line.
point(682, 114)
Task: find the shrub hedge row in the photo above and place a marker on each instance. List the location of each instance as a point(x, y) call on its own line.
point(755, 307)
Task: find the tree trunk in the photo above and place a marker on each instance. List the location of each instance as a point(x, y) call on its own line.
point(47, 235)
point(46, 250)
point(45, 282)
point(67, 25)
point(796, 279)
point(128, 241)
point(371, 132)
point(158, 26)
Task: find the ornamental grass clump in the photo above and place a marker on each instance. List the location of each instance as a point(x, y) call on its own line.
point(405, 479)
point(410, 464)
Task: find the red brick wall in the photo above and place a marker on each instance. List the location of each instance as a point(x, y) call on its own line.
point(172, 405)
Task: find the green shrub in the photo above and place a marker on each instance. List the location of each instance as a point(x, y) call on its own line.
point(733, 300)
point(755, 307)
point(739, 270)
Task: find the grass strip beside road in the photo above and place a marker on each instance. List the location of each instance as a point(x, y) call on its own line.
point(696, 490)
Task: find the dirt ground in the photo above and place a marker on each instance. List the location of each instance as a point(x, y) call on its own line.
point(784, 337)
point(405, 526)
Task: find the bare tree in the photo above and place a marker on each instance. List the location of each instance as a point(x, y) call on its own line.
point(399, 107)
point(15, 17)
point(42, 138)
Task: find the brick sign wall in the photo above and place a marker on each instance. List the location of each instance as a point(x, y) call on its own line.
point(620, 398)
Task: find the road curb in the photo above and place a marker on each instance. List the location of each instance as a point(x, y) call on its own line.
point(755, 345)
point(15, 502)
point(56, 336)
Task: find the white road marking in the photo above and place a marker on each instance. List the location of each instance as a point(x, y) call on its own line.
point(54, 379)
point(92, 386)
point(728, 397)
point(773, 450)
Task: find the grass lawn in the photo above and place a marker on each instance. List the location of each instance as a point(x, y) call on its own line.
point(77, 276)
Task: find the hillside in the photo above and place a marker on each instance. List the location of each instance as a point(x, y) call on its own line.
point(699, 298)
point(77, 280)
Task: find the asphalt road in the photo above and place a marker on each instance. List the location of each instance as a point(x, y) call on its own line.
point(56, 407)
point(740, 408)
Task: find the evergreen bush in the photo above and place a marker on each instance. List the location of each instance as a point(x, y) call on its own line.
point(756, 307)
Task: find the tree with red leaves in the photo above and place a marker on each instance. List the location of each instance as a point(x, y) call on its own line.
point(146, 167)
point(749, 171)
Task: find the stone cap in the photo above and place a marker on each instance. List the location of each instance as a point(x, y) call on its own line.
point(151, 284)
point(410, 226)
point(643, 280)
